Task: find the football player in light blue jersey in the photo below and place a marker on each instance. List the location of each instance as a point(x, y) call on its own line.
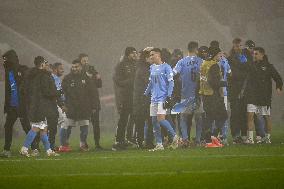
point(160, 86)
point(189, 68)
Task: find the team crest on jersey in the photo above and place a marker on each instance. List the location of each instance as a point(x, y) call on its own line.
point(19, 74)
point(263, 68)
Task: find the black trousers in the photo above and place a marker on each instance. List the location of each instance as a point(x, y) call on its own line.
point(11, 117)
point(95, 119)
point(238, 119)
point(52, 122)
point(122, 123)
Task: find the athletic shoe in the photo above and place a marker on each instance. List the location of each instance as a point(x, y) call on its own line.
point(24, 152)
point(64, 149)
point(184, 143)
point(35, 153)
point(118, 146)
point(266, 140)
point(6, 154)
point(216, 141)
point(51, 153)
point(98, 148)
point(174, 144)
point(84, 148)
point(159, 147)
point(249, 141)
point(211, 145)
point(238, 140)
point(225, 142)
point(258, 139)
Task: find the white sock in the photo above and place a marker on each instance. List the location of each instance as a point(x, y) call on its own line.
point(267, 135)
point(250, 134)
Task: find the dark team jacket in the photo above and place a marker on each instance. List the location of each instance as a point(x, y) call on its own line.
point(141, 103)
point(40, 95)
point(79, 96)
point(259, 87)
point(123, 80)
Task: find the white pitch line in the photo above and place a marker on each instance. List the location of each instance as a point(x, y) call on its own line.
point(135, 157)
point(157, 173)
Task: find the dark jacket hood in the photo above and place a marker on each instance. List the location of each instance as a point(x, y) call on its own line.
point(11, 59)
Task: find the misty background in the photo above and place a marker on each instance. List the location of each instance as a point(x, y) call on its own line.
point(61, 29)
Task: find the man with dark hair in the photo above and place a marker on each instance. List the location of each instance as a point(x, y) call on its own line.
point(41, 103)
point(214, 43)
point(259, 92)
point(236, 85)
point(15, 105)
point(141, 103)
point(203, 52)
point(93, 74)
point(79, 102)
point(123, 79)
point(160, 87)
point(189, 69)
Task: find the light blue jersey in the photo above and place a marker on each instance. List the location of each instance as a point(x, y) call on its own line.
point(58, 85)
point(188, 68)
point(226, 70)
point(161, 82)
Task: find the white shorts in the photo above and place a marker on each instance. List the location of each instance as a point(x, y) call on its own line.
point(261, 110)
point(73, 123)
point(157, 108)
point(41, 125)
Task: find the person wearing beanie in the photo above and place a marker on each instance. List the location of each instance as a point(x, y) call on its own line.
point(123, 79)
point(211, 83)
point(41, 104)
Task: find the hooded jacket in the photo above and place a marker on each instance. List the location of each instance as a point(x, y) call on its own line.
point(41, 95)
point(11, 63)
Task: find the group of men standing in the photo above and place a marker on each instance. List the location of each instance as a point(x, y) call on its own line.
point(43, 101)
point(202, 85)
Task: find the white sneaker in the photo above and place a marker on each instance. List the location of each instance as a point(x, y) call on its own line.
point(51, 153)
point(175, 142)
point(266, 140)
point(6, 154)
point(258, 139)
point(35, 153)
point(25, 152)
point(158, 147)
point(249, 141)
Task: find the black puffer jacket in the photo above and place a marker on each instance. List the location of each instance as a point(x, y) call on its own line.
point(259, 87)
point(79, 96)
point(123, 80)
point(41, 95)
point(141, 103)
point(19, 71)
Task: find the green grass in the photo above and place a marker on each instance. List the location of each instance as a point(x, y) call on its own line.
point(236, 166)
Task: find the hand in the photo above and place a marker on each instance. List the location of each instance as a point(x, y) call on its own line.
point(278, 91)
point(168, 104)
point(98, 76)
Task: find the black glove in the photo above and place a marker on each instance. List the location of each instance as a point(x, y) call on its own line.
point(168, 104)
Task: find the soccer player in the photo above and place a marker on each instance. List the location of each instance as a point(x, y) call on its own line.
point(41, 97)
point(189, 68)
point(161, 87)
point(259, 92)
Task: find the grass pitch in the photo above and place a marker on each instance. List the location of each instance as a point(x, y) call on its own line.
point(236, 166)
